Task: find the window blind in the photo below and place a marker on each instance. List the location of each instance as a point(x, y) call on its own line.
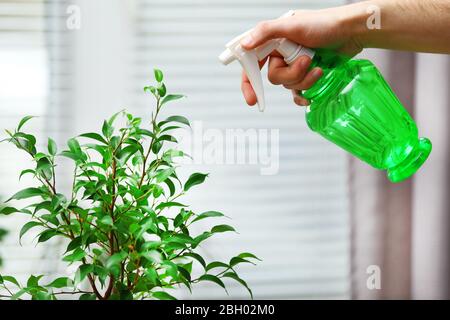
point(297, 220)
point(34, 70)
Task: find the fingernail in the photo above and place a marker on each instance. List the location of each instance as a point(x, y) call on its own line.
point(247, 41)
point(317, 73)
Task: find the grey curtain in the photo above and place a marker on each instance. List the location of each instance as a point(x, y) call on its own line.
point(403, 228)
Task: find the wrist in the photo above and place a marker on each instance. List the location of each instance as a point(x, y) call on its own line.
point(359, 21)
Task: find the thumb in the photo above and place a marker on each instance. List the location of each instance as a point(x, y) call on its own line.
point(265, 31)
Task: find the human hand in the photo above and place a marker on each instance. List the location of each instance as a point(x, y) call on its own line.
point(326, 28)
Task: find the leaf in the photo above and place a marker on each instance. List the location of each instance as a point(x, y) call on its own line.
point(107, 220)
point(216, 280)
point(115, 259)
point(82, 272)
point(52, 148)
point(8, 210)
point(248, 255)
point(172, 97)
point(47, 235)
point(24, 172)
point(107, 130)
point(74, 146)
point(208, 214)
point(197, 257)
point(169, 204)
point(94, 136)
point(88, 296)
point(77, 255)
point(237, 260)
point(162, 175)
point(216, 264)
point(27, 227)
point(11, 280)
point(179, 119)
point(159, 76)
point(236, 278)
point(195, 179)
point(161, 295)
point(162, 90)
point(27, 193)
point(222, 228)
point(75, 243)
point(23, 121)
point(59, 283)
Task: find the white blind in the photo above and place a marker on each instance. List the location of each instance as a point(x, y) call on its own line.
point(297, 221)
point(32, 56)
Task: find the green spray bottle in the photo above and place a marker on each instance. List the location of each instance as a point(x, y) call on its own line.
point(351, 105)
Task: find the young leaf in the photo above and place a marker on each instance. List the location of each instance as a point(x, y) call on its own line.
point(26, 171)
point(27, 227)
point(59, 283)
point(171, 97)
point(248, 255)
point(169, 204)
point(216, 280)
point(235, 277)
point(23, 121)
point(158, 75)
point(208, 214)
point(8, 210)
point(195, 179)
point(237, 260)
point(52, 148)
point(94, 136)
point(222, 228)
point(27, 193)
point(161, 295)
point(179, 119)
point(77, 255)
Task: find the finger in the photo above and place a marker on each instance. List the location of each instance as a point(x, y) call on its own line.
point(309, 80)
point(247, 89)
point(265, 31)
point(299, 100)
point(280, 73)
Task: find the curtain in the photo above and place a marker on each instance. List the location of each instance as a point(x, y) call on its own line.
point(404, 228)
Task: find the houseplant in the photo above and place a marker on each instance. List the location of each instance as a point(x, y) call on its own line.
point(127, 230)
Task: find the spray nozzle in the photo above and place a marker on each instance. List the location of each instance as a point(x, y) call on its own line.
point(249, 58)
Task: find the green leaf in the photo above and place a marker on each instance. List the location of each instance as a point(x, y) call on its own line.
point(107, 130)
point(169, 204)
point(75, 243)
point(195, 179)
point(216, 280)
point(237, 260)
point(248, 255)
point(197, 257)
point(162, 175)
point(27, 227)
point(94, 136)
point(23, 121)
point(74, 146)
point(83, 271)
point(88, 296)
point(77, 255)
point(11, 280)
point(222, 228)
point(158, 75)
point(107, 220)
point(234, 276)
point(216, 264)
point(172, 97)
point(52, 148)
point(24, 172)
point(27, 193)
point(179, 119)
point(162, 90)
point(161, 295)
point(47, 235)
point(8, 210)
point(59, 283)
point(115, 259)
point(208, 214)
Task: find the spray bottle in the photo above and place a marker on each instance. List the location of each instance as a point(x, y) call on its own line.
point(351, 105)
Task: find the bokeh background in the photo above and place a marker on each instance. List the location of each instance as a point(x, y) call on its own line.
point(318, 224)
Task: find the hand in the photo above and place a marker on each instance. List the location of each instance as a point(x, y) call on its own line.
point(327, 28)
